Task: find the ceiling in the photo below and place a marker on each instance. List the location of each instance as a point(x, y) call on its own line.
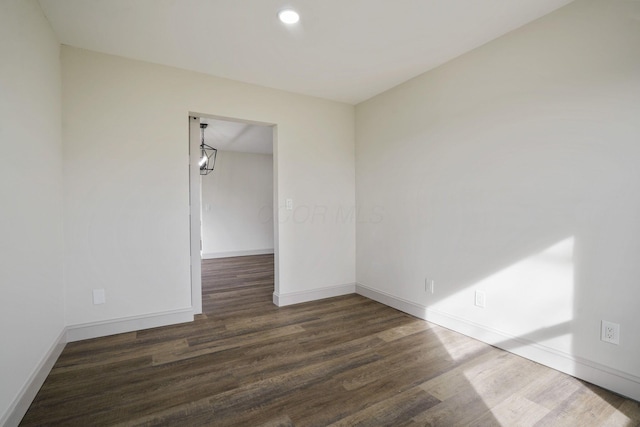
point(226, 135)
point(344, 50)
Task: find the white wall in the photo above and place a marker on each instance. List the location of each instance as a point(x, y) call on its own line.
point(514, 170)
point(237, 205)
point(31, 278)
point(127, 193)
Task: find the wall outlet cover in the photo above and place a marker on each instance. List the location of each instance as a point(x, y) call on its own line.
point(99, 296)
point(610, 332)
point(481, 299)
point(429, 285)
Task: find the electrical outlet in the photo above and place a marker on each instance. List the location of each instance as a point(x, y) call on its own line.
point(610, 332)
point(481, 299)
point(99, 296)
point(429, 285)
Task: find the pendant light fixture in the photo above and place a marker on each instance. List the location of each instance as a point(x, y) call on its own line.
point(207, 154)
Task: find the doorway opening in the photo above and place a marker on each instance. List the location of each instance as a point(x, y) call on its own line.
point(233, 208)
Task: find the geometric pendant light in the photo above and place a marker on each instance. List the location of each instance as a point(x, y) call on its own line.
point(207, 154)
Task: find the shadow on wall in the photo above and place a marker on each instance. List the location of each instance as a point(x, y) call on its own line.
point(529, 299)
point(538, 227)
point(513, 170)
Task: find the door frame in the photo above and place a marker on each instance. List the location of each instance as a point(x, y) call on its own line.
point(195, 204)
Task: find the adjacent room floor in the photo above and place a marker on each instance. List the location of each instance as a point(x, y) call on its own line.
point(341, 361)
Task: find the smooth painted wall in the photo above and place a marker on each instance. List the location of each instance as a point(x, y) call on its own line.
point(31, 276)
point(125, 139)
point(237, 205)
point(514, 170)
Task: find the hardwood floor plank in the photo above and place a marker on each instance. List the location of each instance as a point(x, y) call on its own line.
point(391, 411)
point(283, 421)
point(196, 348)
point(584, 407)
point(341, 361)
point(392, 334)
point(515, 410)
point(89, 360)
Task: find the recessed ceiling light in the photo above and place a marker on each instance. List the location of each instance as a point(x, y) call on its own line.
point(288, 16)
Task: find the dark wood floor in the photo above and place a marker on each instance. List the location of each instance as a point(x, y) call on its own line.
point(342, 361)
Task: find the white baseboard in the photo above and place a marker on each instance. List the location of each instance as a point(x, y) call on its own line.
point(23, 400)
point(408, 307)
point(214, 255)
point(25, 397)
point(128, 324)
point(612, 379)
point(282, 300)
